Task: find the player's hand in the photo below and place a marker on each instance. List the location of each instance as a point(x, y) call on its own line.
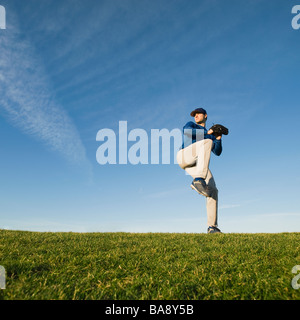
point(219, 137)
point(211, 131)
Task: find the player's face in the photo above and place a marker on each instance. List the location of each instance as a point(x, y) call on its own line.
point(200, 118)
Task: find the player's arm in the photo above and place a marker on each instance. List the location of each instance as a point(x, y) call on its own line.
point(217, 148)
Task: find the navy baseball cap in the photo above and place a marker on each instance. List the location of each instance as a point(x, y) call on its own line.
point(198, 110)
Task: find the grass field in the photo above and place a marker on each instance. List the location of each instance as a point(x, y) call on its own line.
point(149, 266)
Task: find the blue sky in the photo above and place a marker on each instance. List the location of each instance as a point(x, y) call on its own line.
point(71, 68)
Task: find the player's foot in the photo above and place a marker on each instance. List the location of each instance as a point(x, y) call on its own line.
point(201, 187)
point(213, 230)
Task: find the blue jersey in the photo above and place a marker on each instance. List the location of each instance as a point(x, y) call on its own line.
point(192, 133)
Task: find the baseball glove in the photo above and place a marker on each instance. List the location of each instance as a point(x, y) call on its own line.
point(218, 130)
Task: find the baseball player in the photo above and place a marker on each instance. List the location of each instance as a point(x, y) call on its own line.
point(194, 158)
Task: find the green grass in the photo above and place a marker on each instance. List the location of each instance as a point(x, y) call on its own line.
point(149, 266)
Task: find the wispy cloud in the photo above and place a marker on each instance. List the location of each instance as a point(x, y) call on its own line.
point(281, 214)
point(229, 206)
point(42, 225)
point(164, 194)
point(27, 101)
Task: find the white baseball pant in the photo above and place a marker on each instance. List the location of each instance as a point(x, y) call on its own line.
point(195, 159)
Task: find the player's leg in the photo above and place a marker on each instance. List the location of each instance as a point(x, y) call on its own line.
point(212, 204)
point(195, 158)
point(199, 170)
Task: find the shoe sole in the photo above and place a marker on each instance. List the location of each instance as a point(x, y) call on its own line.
point(203, 194)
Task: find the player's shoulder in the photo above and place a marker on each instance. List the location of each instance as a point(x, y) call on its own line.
point(190, 124)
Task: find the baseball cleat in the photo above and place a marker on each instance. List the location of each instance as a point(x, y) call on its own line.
point(201, 187)
point(213, 230)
